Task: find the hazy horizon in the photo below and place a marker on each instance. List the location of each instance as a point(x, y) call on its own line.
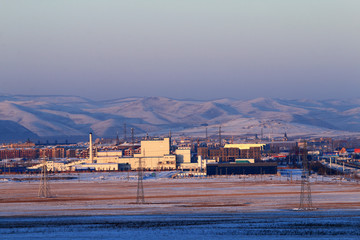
point(181, 49)
point(2, 94)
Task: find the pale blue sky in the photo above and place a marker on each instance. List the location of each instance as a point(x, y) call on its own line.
point(199, 49)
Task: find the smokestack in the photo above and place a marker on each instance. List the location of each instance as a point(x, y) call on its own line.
point(90, 147)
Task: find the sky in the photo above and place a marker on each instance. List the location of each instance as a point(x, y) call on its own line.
point(198, 49)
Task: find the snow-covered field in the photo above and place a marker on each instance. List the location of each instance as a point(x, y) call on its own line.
point(263, 225)
point(285, 175)
point(103, 206)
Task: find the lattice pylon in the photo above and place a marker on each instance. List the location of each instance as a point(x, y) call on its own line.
point(44, 188)
point(140, 199)
point(305, 194)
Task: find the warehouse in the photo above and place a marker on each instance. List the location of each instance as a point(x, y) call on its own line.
point(234, 168)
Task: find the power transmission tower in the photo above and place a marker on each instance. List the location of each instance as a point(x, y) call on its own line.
point(305, 195)
point(140, 188)
point(44, 189)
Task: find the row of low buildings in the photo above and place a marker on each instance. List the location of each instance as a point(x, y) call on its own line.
point(156, 154)
point(159, 154)
point(231, 152)
point(33, 153)
point(152, 155)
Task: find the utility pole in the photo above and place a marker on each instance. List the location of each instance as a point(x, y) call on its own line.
point(124, 132)
point(5, 163)
point(305, 195)
point(132, 137)
point(206, 136)
point(140, 199)
point(170, 140)
point(220, 136)
point(44, 189)
point(117, 139)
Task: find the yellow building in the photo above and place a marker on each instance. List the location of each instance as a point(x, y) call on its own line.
point(108, 156)
point(183, 155)
point(244, 146)
point(154, 148)
point(155, 155)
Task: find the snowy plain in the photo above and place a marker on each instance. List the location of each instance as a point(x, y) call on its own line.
point(102, 206)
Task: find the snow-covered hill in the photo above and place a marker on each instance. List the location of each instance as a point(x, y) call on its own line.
point(34, 117)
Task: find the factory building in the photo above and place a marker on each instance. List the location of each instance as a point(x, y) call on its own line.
point(154, 148)
point(241, 168)
point(183, 155)
point(56, 166)
point(108, 156)
point(100, 167)
point(244, 146)
point(154, 155)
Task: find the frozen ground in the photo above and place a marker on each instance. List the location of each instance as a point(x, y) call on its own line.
point(103, 206)
point(286, 175)
point(263, 225)
point(115, 193)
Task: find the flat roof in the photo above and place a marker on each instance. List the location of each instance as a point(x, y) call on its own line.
point(244, 145)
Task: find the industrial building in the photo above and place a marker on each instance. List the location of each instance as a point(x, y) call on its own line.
point(234, 168)
point(231, 152)
point(100, 167)
point(154, 155)
point(244, 146)
point(183, 155)
point(108, 156)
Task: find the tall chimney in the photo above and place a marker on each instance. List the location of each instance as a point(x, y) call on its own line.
point(90, 147)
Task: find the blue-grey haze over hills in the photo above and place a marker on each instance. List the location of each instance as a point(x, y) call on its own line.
point(71, 117)
point(249, 54)
point(204, 49)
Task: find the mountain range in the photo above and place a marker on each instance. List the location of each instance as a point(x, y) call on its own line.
point(66, 117)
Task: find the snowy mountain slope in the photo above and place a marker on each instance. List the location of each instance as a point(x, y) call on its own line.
point(10, 130)
point(46, 116)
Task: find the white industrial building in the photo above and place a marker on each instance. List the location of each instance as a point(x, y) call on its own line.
point(100, 167)
point(155, 155)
